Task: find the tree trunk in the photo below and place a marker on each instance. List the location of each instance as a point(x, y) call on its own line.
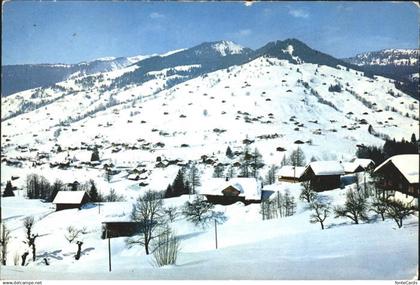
point(382, 216)
point(400, 224)
point(33, 251)
point(146, 247)
point(322, 225)
point(79, 250)
point(24, 255)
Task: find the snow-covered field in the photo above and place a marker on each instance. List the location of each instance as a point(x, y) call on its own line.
point(248, 247)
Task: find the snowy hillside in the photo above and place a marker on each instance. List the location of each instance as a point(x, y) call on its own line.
point(154, 116)
point(265, 250)
point(387, 57)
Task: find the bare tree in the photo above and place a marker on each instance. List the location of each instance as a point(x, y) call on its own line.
point(198, 211)
point(307, 193)
point(73, 235)
point(271, 175)
point(28, 223)
point(321, 212)
point(148, 211)
point(379, 206)
point(354, 208)
point(4, 241)
point(398, 210)
point(194, 177)
point(171, 213)
point(168, 246)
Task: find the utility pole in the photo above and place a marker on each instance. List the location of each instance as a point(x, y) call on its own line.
point(109, 250)
point(99, 202)
point(215, 231)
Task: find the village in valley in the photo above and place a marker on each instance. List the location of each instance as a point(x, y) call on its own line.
point(282, 161)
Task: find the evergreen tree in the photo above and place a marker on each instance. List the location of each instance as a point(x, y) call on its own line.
point(8, 191)
point(178, 186)
point(413, 138)
point(229, 152)
point(256, 162)
point(93, 192)
point(95, 155)
point(246, 163)
point(297, 158)
point(194, 178)
point(169, 192)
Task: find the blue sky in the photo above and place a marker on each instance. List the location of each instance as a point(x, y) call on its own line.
point(74, 31)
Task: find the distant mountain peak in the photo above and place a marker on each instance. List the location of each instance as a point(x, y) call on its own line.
point(227, 47)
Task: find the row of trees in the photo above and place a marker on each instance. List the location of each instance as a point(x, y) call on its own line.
point(390, 148)
point(186, 182)
point(279, 206)
point(38, 187)
point(356, 207)
point(296, 158)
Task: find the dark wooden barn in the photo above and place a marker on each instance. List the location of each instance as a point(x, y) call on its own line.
point(323, 175)
point(70, 200)
point(401, 173)
point(120, 229)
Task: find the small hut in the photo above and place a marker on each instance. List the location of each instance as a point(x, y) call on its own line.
point(70, 200)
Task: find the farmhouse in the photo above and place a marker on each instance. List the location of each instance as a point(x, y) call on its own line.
point(228, 191)
point(352, 167)
point(323, 175)
point(401, 174)
point(70, 200)
point(289, 173)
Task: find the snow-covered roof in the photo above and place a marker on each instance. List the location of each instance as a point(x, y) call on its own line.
point(326, 168)
point(69, 197)
point(249, 188)
point(363, 162)
point(289, 171)
point(407, 164)
point(350, 166)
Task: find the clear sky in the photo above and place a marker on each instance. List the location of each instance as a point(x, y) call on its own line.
point(74, 31)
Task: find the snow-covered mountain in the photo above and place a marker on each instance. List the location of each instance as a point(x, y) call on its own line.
point(405, 57)
point(399, 64)
point(21, 77)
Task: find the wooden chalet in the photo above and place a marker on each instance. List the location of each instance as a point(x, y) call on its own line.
point(401, 174)
point(229, 191)
point(323, 175)
point(289, 173)
point(70, 200)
